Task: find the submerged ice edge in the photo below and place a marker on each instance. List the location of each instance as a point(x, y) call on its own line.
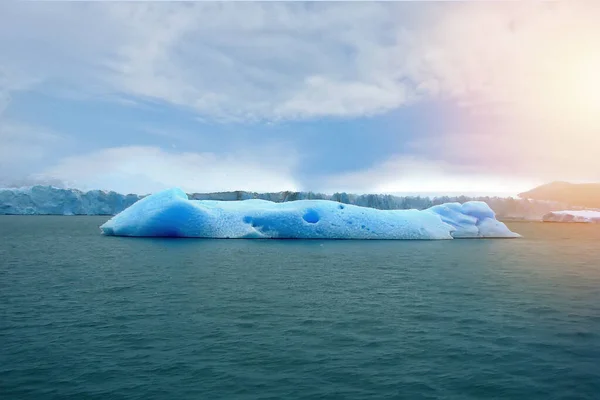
point(171, 214)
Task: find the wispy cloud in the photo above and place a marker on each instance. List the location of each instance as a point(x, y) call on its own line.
point(24, 148)
point(147, 169)
point(408, 174)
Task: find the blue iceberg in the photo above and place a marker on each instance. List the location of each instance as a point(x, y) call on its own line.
point(171, 214)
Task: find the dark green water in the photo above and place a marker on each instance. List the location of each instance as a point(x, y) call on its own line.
point(84, 316)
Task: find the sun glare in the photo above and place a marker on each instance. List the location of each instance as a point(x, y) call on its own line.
point(586, 91)
point(571, 93)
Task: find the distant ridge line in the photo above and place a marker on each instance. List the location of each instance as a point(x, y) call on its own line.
point(576, 194)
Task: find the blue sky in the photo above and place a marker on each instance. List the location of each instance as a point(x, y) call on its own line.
point(360, 97)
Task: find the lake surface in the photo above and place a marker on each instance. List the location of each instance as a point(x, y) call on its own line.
point(85, 316)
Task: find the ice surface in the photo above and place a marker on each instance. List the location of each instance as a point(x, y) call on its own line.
point(573, 216)
point(171, 214)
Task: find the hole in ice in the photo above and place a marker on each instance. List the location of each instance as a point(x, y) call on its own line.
point(341, 206)
point(311, 216)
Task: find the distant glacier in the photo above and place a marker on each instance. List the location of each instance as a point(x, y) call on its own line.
point(49, 200)
point(589, 216)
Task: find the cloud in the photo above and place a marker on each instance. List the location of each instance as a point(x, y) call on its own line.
point(4, 101)
point(23, 148)
point(407, 174)
point(528, 60)
point(243, 61)
point(271, 61)
point(5, 97)
point(525, 73)
point(350, 99)
point(139, 169)
point(258, 61)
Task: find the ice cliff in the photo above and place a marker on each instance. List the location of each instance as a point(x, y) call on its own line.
point(48, 200)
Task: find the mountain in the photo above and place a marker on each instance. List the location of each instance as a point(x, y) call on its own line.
point(576, 194)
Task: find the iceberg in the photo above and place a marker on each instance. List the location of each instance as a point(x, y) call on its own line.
point(588, 216)
point(171, 214)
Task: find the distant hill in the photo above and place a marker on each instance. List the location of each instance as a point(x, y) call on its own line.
point(576, 194)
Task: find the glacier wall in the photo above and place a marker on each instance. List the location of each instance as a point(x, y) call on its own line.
point(171, 214)
point(588, 216)
point(48, 200)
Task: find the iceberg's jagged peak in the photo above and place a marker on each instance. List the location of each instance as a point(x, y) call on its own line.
point(171, 214)
point(589, 216)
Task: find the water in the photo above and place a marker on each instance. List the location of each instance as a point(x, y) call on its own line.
point(85, 316)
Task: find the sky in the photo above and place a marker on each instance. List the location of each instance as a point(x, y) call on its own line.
point(363, 97)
